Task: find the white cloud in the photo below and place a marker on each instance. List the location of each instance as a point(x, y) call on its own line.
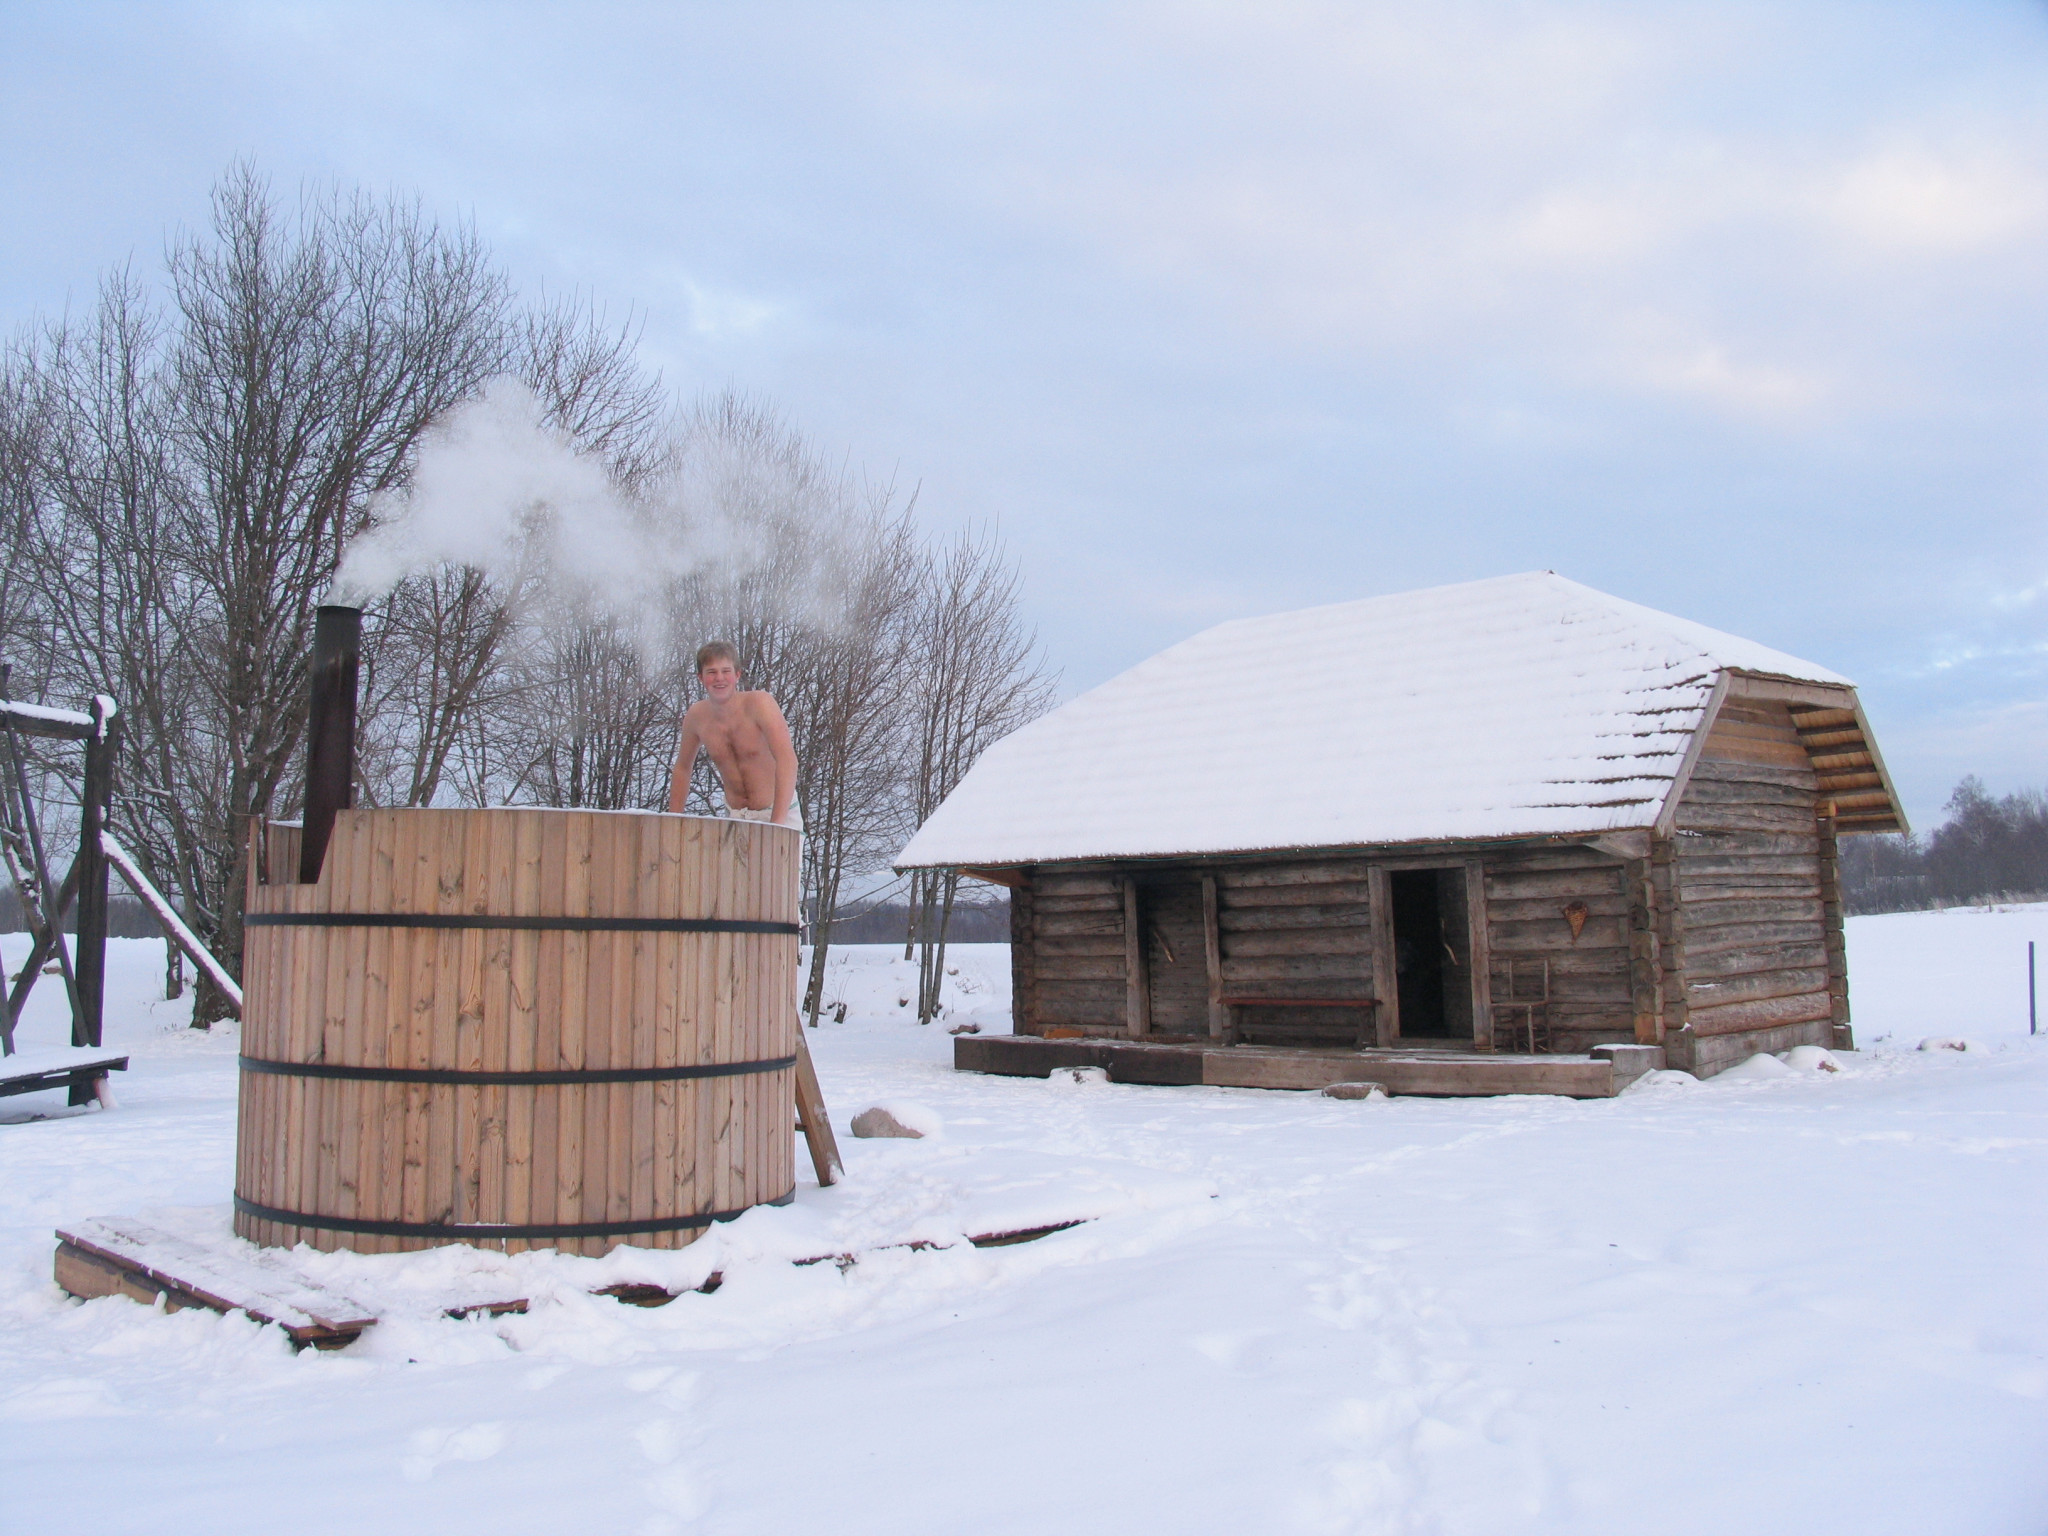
point(1915, 198)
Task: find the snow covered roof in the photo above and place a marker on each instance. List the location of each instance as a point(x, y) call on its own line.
point(1517, 706)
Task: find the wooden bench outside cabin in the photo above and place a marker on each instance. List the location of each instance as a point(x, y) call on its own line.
point(1366, 1032)
point(73, 1067)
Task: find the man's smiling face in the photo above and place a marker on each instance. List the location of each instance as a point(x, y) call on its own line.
point(721, 680)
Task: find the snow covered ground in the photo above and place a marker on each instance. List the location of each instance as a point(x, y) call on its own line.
point(1801, 1303)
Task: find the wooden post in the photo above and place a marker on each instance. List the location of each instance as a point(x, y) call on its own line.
point(1831, 931)
point(1482, 956)
point(1212, 955)
point(1646, 980)
point(90, 963)
point(1669, 891)
point(1023, 956)
point(1386, 980)
point(1137, 976)
point(811, 1115)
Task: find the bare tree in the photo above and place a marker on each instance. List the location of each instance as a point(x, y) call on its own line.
point(310, 354)
point(25, 420)
point(594, 732)
point(976, 677)
point(179, 476)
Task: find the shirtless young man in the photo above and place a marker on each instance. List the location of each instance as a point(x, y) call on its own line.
point(748, 741)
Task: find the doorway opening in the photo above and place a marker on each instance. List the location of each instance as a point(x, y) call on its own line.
point(1432, 954)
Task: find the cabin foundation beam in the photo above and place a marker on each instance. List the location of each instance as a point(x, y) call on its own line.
point(1439, 1074)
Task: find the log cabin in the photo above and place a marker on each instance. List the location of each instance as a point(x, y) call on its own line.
point(1511, 835)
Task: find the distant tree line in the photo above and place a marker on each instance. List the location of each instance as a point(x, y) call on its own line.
point(1991, 848)
point(182, 466)
point(981, 919)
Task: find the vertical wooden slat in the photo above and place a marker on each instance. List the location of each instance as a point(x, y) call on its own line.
point(596, 994)
point(491, 891)
point(1386, 982)
point(574, 898)
point(468, 842)
point(668, 1046)
point(758, 982)
point(1646, 979)
point(732, 875)
point(700, 1142)
point(1024, 956)
point(1212, 958)
point(618, 1098)
point(551, 1104)
point(1137, 974)
point(298, 1036)
point(522, 1048)
point(1482, 955)
point(762, 868)
point(356, 875)
point(422, 1195)
point(358, 968)
point(1832, 936)
point(645, 901)
point(1670, 932)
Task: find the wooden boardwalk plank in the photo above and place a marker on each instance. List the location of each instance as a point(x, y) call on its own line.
point(108, 1256)
point(1447, 1074)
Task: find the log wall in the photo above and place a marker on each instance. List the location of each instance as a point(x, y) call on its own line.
point(1297, 928)
point(1757, 966)
point(1722, 939)
point(1589, 997)
point(1076, 951)
point(1284, 929)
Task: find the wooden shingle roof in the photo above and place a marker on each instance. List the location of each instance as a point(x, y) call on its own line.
point(1519, 706)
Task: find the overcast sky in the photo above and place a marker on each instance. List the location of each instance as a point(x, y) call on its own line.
point(1734, 310)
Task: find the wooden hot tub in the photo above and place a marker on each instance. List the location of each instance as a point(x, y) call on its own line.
point(522, 1028)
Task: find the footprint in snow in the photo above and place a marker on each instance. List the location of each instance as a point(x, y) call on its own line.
point(434, 1446)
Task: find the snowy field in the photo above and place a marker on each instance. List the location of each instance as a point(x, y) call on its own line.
point(1806, 1303)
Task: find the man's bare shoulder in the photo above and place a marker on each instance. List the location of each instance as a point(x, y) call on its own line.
point(762, 703)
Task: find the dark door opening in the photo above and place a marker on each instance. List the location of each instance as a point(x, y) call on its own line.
point(1176, 956)
point(1432, 953)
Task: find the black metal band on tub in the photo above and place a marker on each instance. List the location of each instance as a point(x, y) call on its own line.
point(491, 1229)
point(484, 920)
point(553, 1076)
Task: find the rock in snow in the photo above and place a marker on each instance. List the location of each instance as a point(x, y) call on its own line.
point(1810, 1058)
point(1949, 1043)
point(1355, 1091)
point(903, 1120)
point(1067, 1077)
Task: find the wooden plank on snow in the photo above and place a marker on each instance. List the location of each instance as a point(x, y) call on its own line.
point(110, 1256)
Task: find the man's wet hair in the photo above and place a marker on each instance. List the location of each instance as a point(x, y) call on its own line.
point(717, 650)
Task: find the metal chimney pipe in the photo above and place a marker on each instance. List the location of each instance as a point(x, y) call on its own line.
point(330, 730)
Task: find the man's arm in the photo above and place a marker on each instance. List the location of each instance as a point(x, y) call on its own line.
point(776, 729)
point(686, 761)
